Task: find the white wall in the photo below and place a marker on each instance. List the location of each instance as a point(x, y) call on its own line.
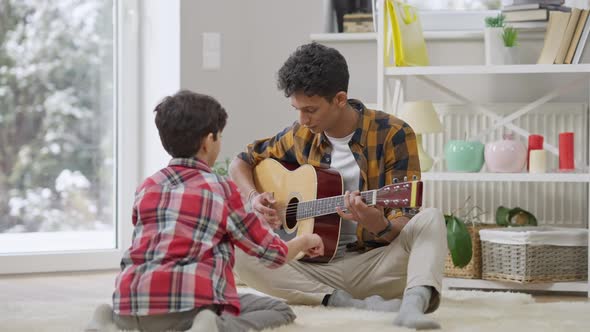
point(256, 38)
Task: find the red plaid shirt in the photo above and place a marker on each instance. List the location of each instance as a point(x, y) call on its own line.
point(187, 221)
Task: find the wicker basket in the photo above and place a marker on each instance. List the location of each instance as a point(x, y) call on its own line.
point(535, 262)
point(473, 269)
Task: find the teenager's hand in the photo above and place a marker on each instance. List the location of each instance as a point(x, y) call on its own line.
point(262, 206)
point(372, 218)
point(315, 246)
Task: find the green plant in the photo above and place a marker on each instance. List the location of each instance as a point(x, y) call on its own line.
point(221, 167)
point(509, 35)
point(495, 21)
point(458, 238)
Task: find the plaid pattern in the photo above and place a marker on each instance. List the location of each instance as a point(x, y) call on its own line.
point(384, 147)
point(187, 221)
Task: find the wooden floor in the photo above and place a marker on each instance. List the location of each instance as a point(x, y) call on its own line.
point(99, 286)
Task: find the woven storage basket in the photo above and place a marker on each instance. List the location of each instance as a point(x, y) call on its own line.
point(473, 269)
point(535, 254)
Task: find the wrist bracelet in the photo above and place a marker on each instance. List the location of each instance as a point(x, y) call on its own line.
point(386, 230)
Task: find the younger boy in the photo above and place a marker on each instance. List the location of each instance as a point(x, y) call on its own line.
point(178, 272)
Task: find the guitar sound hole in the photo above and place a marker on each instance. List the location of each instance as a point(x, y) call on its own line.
point(291, 215)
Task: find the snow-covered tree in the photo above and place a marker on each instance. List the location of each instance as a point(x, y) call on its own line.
point(56, 114)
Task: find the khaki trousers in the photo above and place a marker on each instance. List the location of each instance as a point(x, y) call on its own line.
point(415, 258)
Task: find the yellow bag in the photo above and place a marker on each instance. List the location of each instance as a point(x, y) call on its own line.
point(404, 31)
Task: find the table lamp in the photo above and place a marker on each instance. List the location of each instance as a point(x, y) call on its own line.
point(422, 117)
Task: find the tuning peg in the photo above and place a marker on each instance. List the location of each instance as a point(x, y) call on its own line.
point(405, 179)
point(395, 180)
point(414, 178)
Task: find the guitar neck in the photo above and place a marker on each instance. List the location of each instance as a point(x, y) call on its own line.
point(325, 206)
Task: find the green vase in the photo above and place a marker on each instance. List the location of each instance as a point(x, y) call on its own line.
point(464, 156)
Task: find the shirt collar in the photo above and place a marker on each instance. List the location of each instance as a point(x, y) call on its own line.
point(360, 134)
point(190, 163)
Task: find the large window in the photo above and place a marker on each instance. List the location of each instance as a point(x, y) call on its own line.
point(57, 125)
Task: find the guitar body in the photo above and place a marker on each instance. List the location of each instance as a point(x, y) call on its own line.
point(307, 198)
point(291, 185)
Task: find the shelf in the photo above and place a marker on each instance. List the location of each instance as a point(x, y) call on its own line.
point(482, 69)
point(506, 177)
point(573, 286)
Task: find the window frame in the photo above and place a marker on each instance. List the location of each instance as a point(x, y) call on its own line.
point(126, 97)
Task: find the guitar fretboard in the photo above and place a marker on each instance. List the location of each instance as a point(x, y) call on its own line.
point(325, 206)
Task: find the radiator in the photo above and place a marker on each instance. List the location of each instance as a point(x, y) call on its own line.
point(559, 204)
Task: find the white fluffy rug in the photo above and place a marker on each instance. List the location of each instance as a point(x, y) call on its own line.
point(460, 311)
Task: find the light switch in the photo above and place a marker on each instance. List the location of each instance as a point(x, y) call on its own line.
point(211, 50)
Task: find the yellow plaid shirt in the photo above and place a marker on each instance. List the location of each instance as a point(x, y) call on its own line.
point(384, 147)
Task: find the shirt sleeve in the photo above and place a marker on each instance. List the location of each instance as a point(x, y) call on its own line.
point(401, 159)
point(250, 234)
point(279, 147)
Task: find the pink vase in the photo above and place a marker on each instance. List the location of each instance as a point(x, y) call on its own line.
point(505, 156)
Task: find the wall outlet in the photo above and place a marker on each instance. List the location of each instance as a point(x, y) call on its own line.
point(211, 50)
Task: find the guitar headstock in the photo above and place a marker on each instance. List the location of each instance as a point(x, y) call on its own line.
point(400, 195)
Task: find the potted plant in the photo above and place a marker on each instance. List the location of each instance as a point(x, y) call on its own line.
point(510, 36)
point(493, 39)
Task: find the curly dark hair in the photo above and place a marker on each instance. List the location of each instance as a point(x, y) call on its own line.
point(315, 70)
point(185, 118)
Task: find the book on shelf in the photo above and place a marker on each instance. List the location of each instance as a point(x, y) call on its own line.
point(526, 15)
point(558, 22)
point(567, 36)
point(536, 25)
point(534, 6)
point(506, 3)
point(582, 22)
point(582, 42)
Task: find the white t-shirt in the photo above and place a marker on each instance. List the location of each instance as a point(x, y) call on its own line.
point(343, 161)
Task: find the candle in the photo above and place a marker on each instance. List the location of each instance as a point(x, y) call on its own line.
point(566, 151)
point(535, 143)
point(537, 161)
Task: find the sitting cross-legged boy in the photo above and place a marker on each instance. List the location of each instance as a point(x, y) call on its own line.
point(178, 273)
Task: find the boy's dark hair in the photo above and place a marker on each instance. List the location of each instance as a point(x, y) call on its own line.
point(314, 69)
point(185, 118)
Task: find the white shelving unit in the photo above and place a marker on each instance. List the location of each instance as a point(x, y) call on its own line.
point(391, 84)
point(506, 177)
point(499, 69)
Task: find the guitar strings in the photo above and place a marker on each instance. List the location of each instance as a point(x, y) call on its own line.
point(291, 208)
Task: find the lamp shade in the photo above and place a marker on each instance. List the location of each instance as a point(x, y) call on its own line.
point(421, 116)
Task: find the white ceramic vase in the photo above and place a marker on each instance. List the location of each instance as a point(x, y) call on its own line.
point(510, 55)
point(494, 46)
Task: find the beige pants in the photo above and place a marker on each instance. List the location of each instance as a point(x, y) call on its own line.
point(415, 258)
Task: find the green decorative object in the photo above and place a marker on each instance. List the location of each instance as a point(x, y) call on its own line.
point(221, 167)
point(464, 156)
point(514, 217)
point(495, 21)
point(458, 240)
point(510, 36)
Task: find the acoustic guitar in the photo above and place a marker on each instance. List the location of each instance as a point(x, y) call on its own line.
point(306, 200)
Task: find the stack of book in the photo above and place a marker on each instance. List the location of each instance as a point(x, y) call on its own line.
point(565, 37)
point(530, 14)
